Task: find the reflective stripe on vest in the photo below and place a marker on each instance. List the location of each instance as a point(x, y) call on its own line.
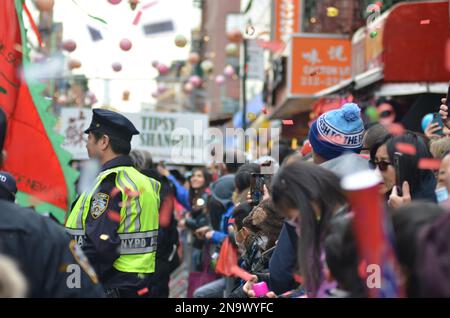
point(138, 228)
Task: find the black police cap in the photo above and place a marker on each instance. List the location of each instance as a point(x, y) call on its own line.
point(112, 123)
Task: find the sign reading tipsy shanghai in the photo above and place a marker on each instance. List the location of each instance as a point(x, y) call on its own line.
point(160, 133)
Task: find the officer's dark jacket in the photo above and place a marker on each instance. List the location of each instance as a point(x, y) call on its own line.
point(44, 252)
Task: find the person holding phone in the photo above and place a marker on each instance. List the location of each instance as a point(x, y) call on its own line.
point(413, 183)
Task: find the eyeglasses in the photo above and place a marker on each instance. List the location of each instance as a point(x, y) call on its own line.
point(382, 165)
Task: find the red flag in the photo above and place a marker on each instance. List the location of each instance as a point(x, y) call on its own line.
point(34, 155)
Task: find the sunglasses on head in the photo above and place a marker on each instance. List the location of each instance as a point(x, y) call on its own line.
point(382, 165)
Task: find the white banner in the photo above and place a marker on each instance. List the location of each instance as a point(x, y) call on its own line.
point(172, 137)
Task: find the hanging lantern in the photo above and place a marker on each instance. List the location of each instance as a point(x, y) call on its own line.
point(180, 41)
point(207, 66)
point(234, 36)
point(162, 88)
point(125, 45)
point(229, 71)
point(195, 80)
point(193, 58)
point(114, 2)
point(69, 45)
point(220, 79)
point(232, 49)
point(117, 67)
point(74, 64)
point(188, 88)
point(133, 4)
point(126, 95)
point(45, 5)
point(163, 69)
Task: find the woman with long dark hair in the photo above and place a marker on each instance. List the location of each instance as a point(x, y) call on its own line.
point(308, 196)
point(418, 184)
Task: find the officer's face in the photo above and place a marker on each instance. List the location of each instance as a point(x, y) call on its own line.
point(93, 147)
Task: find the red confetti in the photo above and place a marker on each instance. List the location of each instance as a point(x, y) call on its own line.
point(425, 21)
point(131, 193)
point(396, 129)
point(362, 269)
point(429, 164)
point(288, 122)
point(113, 215)
point(115, 191)
point(314, 73)
point(298, 278)
point(142, 291)
point(406, 148)
point(264, 110)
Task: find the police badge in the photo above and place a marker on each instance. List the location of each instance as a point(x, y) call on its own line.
point(99, 204)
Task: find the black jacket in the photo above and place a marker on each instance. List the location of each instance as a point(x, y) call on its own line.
point(44, 252)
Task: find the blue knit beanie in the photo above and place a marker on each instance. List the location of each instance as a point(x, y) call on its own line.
point(337, 131)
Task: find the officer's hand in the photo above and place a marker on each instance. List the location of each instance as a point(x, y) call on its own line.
point(248, 286)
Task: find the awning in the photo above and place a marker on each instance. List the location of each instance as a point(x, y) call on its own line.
point(399, 89)
point(293, 106)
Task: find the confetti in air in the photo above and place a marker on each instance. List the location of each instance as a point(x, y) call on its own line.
point(406, 148)
point(429, 164)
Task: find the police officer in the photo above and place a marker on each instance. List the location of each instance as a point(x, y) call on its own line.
point(116, 221)
point(51, 262)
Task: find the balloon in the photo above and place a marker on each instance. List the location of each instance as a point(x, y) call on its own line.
point(180, 40)
point(125, 45)
point(117, 67)
point(45, 5)
point(426, 120)
point(69, 45)
point(195, 80)
point(73, 64)
point(229, 71)
point(231, 49)
point(193, 58)
point(220, 79)
point(114, 1)
point(207, 66)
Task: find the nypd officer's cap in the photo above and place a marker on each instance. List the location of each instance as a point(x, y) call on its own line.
point(112, 124)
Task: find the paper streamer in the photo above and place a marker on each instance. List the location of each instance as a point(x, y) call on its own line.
point(90, 15)
point(138, 16)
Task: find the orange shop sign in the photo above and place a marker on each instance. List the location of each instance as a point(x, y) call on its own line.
point(317, 61)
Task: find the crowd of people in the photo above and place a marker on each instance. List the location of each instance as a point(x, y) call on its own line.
point(299, 238)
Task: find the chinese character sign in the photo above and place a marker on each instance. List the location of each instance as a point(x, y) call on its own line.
point(287, 19)
point(318, 63)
